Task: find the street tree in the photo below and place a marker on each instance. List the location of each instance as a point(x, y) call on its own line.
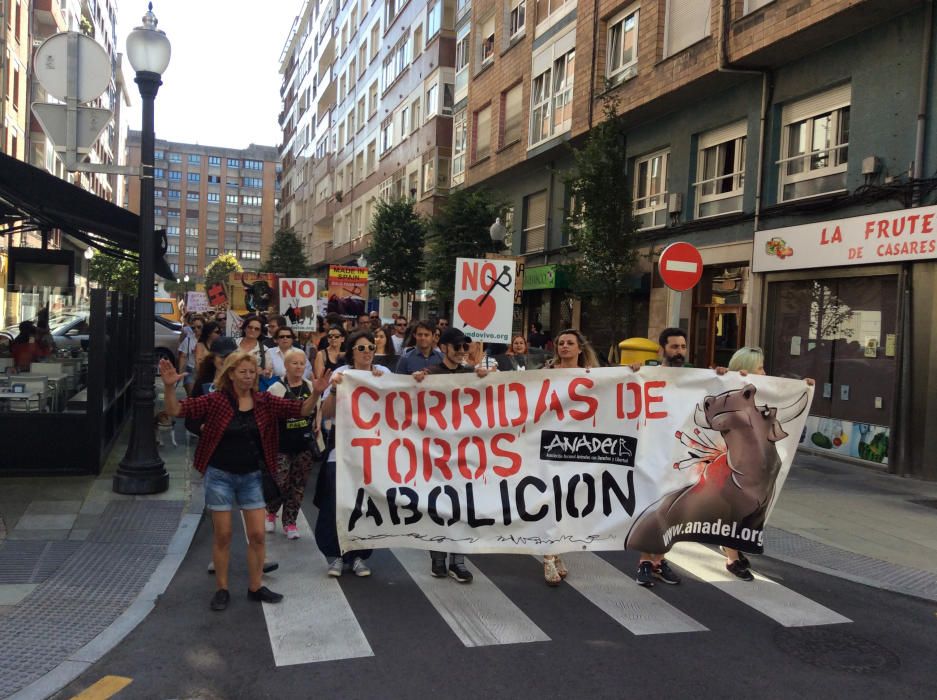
point(461, 228)
point(602, 228)
point(219, 269)
point(115, 274)
point(287, 257)
point(395, 257)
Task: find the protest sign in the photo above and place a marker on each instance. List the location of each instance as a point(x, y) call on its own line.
point(298, 302)
point(484, 299)
point(196, 301)
point(249, 293)
point(348, 290)
point(551, 461)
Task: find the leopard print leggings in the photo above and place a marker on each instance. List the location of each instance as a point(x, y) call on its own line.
point(292, 474)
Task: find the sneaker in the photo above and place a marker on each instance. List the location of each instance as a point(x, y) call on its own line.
point(219, 601)
point(360, 568)
point(739, 570)
point(743, 560)
point(271, 566)
point(292, 532)
point(264, 595)
point(211, 567)
point(439, 568)
point(460, 573)
point(645, 575)
point(336, 566)
point(271, 523)
point(665, 573)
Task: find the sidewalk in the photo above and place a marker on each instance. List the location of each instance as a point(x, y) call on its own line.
point(81, 566)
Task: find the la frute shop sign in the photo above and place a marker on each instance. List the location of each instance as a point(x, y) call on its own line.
point(894, 236)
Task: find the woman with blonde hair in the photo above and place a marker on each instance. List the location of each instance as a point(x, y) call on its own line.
point(239, 439)
point(572, 352)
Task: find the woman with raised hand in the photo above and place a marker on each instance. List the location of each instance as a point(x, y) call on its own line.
point(295, 458)
point(573, 351)
point(240, 436)
point(360, 354)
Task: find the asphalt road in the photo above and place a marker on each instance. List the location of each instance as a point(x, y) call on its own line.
point(387, 637)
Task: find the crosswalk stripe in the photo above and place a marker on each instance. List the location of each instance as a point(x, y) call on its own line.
point(781, 604)
point(478, 613)
point(314, 622)
point(635, 608)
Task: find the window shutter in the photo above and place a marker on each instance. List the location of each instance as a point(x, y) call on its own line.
point(818, 104)
point(483, 133)
point(723, 134)
point(687, 22)
point(752, 5)
point(535, 219)
point(512, 113)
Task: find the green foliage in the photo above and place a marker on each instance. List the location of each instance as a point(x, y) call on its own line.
point(116, 274)
point(219, 269)
point(601, 224)
point(287, 257)
point(460, 229)
point(395, 258)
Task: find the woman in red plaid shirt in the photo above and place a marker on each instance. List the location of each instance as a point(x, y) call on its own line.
point(240, 437)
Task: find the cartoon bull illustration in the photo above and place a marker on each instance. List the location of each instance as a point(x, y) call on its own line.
point(735, 485)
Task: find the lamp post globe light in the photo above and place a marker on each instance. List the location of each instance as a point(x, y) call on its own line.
point(498, 232)
point(362, 261)
point(141, 471)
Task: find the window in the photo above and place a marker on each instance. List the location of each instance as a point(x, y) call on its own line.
point(372, 99)
point(448, 99)
point(250, 201)
point(459, 136)
point(230, 218)
point(429, 176)
point(158, 211)
point(254, 164)
point(418, 40)
point(433, 19)
point(372, 157)
point(462, 48)
point(362, 112)
point(482, 134)
point(432, 100)
point(375, 40)
point(720, 171)
point(551, 98)
point(159, 193)
point(533, 236)
point(752, 5)
point(191, 196)
point(511, 114)
point(486, 37)
point(172, 248)
point(687, 22)
point(175, 175)
point(192, 214)
point(191, 232)
point(214, 179)
point(231, 199)
point(175, 158)
point(211, 252)
point(415, 115)
point(195, 159)
point(193, 177)
point(622, 52)
point(158, 155)
point(255, 182)
point(815, 145)
point(404, 123)
point(516, 18)
point(362, 59)
point(350, 130)
point(175, 194)
point(387, 135)
point(172, 230)
point(650, 190)
point(173, 213)
point(213, 197)
point(191, 250)
point(159, 173)
point(391, 10)
point(396, 61)
point(214, 160)
point(234, 163)
point(545, 8)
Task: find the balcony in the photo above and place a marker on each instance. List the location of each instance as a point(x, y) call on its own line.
point(49, 14)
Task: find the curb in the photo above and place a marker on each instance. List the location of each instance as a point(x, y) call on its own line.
point(81, 660)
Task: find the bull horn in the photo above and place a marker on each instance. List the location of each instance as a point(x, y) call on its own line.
point(789, 413)
point(700, 418)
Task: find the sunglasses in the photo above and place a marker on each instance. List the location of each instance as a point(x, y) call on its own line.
point(285, 337)
point(400, 324)
point(364, 348)
point(333, 336)
point(464, 347)
point(198, 328)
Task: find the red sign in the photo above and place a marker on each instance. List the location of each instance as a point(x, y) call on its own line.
point(680, 266)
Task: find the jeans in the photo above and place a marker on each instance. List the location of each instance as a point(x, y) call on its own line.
point(224, 490)
point(326, 532)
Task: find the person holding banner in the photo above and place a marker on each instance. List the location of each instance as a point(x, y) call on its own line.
point(423, 354)
point(454, 346)
point(361, 353)
point(573, 351)
point(240, 436)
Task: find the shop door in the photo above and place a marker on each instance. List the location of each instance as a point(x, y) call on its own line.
point(719, 331)
point(843, 333)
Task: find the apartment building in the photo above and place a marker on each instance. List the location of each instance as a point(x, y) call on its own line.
point(368, 90)
point(774, 135)
point(211, 200)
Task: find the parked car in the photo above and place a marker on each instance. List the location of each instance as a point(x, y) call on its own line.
point(71, 329)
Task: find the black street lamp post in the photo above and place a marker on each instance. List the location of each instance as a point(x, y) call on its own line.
point(142, 471)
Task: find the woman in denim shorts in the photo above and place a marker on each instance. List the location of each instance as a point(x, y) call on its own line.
point(239, 438)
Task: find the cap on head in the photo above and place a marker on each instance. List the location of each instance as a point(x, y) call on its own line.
point(453, 336)
point(223, 346)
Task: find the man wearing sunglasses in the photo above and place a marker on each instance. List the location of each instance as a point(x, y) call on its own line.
point(454, 346)
point(423, 355)
point(276, 356)
point(400, 333)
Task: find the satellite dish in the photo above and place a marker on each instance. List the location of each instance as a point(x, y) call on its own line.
point(93, 65)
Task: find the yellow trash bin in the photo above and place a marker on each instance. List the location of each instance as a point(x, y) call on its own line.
point(633, 350)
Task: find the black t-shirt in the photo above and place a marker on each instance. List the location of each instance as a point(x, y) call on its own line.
point(296, 433)
point(442, 369)
point(239, 451)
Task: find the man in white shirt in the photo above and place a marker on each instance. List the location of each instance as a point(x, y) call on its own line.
point(400, 333)
point(275, 355)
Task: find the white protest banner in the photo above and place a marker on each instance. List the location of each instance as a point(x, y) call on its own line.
point(551, 461)
point(484, 299)
point(298, 302)
point(196, 301)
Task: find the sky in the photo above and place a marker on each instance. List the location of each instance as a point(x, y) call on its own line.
point(222, 86)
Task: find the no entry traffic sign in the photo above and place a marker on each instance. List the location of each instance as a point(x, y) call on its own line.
point(681, 266)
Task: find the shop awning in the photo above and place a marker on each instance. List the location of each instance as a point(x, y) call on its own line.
point(33, 199)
